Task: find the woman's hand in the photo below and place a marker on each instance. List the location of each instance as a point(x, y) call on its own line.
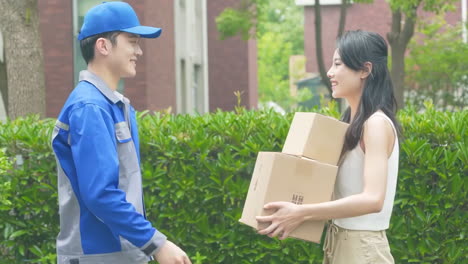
point(288, 216)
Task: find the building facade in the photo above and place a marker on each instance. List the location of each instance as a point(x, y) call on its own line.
point(187, 70)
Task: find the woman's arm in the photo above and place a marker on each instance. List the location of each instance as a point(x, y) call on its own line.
point(378, 137)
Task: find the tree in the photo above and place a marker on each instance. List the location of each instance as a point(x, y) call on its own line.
point(280, 34)
point(19, 23)
point(318, 36)
point(318, 46)
point(273, 61)
point(343, 8)
point(441, 77)
point(241, 20)
point(250, 13)
point(404, 16)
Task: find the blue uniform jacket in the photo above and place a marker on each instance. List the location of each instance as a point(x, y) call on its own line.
point(102, 216)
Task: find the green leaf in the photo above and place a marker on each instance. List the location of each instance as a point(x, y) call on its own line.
point(18, 233)
point(36, 251)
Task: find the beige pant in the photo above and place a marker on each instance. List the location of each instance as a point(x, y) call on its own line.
point(344, 246)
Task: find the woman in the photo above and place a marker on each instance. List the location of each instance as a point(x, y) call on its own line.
point(366, 182)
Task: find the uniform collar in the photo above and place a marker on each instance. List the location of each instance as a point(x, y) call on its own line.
point(101, 86)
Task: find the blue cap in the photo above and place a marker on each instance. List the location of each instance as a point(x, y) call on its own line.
point(114, 16)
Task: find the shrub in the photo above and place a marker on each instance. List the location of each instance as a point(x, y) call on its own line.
point(429, 218)
point(196, 173)
point(442, 76)
point(30, 225)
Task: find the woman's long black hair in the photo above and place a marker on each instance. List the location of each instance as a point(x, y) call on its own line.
point(355, 49)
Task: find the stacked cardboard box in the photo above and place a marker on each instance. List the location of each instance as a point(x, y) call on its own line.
point(303, 173)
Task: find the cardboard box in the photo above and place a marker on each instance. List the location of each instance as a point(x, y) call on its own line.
point(315, 136)
point(282, 177)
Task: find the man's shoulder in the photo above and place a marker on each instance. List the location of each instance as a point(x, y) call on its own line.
point(85, 94)
point(86, 91)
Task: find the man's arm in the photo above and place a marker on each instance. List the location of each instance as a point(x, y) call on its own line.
point(97, 163)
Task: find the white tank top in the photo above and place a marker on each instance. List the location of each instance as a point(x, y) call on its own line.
point(350, 181)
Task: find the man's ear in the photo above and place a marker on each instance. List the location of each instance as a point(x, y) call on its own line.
point(102, 46)
point(367, 70)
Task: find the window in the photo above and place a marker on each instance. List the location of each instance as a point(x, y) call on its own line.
point(183, 84)
point(80, 7)
point(197, 88)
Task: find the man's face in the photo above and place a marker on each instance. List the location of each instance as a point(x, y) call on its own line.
point(124, 55)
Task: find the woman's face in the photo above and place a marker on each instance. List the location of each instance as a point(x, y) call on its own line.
point(346, 83)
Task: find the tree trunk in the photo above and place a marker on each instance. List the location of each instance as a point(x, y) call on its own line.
point(397, 72)
point(19, 21)
point(318, 46)
point(399, 37)
point(3, 84)
point(343, 9)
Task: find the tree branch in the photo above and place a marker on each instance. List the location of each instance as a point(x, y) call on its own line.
point(410, 23)
point(396, 21)
point(318, 46)
point(341, 27)
point(393, 35)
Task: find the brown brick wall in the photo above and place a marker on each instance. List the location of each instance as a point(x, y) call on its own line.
point(253, 76)
point(135, 88)
point(230, 64)
point(160, 54)
point(57, 41)
point(154, 86)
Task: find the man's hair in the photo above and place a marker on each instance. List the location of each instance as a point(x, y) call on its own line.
point(87, 44)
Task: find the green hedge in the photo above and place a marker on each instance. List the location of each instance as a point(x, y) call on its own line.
point(196, 173)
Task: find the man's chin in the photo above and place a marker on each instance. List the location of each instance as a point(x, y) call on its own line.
point(129, 75)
